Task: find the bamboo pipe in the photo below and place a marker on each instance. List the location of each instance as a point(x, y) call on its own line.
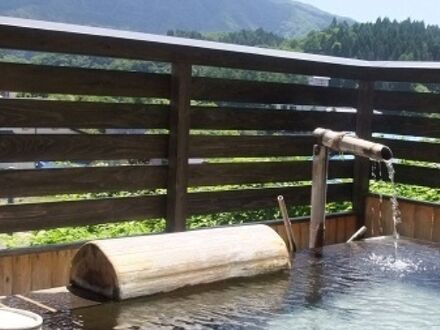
point(342, 142)
point(357, 234)
point(287, 225)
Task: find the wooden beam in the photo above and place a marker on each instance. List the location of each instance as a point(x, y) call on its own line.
point(61, 114)
point(237, 90)
point(27, 147)
point(69, 80)
point(231, 118)
point(178, 147)
point(364, 119)
point(34, 35)
point(204, 146)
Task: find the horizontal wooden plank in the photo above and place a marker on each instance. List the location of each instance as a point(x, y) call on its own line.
point(409, 101)
point(264, 119)
point(66, 38)
point(241, 200)
point(39, 182)
point(235, 90)
point(405, 125)
point(240, 173)
point(25, 217)
point(24, 147)
point(59, 114)
point(66, 80)
point(412, 150)
point(250, 146)
point(414, 175)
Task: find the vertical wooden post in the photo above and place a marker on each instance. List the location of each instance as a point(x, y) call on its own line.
point(178, 147)
point(319, 197)
point(364, 122)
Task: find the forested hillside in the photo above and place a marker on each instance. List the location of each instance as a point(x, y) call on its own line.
point(284, 17)
point(382, 40)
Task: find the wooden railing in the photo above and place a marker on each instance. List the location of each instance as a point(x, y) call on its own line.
point(179, 115)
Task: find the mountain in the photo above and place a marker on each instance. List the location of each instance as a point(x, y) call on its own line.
point(286, 18)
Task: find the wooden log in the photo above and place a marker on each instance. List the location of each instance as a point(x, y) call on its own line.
point(139, 266)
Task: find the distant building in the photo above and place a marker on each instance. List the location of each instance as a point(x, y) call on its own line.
point(4, 95)
point(319, 81)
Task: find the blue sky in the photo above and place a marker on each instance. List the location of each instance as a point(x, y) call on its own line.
point(369, 10)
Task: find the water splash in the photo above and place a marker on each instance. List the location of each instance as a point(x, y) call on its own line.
point(397, 219)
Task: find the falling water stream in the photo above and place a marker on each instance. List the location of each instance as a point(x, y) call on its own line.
point(394, 203)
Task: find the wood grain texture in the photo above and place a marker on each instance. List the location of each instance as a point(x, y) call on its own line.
point(250, 146)
point(405, 125)
point(228, 201)
point(409, 101)
point(41, 269)
point(27, 148)
point(88, 212)
point(409, 222)
point(178, 146)
point(6, 275)
point(60, 114)
point(65, 80)
point(178, 260)
point(330, 231)
point(374, 217)
point(436, 228)
point(424, 222)
point(350, 227)
point(40, 182)
point(219, 118)
point(419, 219)
point(22, 278)
point(364, 118)
point(261, 172)
point(235, 90)
point(60, 267)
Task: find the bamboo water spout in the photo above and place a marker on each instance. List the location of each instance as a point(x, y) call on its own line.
point(341, 142)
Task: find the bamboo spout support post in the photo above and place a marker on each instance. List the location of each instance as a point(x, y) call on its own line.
point(287, 225)
point(319, 194)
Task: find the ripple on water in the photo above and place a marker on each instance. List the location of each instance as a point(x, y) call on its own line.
point(365, 285)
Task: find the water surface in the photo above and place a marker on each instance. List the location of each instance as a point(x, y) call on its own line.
point(364, 285)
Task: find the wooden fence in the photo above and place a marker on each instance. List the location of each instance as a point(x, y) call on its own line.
point(190, 103)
